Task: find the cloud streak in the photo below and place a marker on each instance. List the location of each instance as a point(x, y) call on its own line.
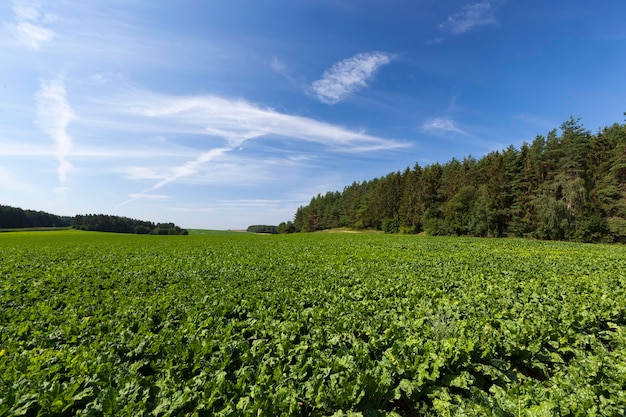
point(442, 124)
point(278, 65)
point(468, 18)
point(236, 121)
point(53, 115)
point(28, 27)
point(228, 124)
point(150, 196)
point(348, 76)
point(190, 168)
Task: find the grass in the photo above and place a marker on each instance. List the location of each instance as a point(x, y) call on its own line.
point(37, 229)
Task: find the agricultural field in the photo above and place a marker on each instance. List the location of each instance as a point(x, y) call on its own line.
point(95, 324)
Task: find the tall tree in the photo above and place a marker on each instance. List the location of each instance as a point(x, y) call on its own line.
point(571, 186)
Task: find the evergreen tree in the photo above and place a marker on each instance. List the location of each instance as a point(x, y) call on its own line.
point(571, 186)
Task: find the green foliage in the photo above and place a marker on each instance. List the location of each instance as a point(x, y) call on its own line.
point(262, 228)
point(12, 218)
point(339, 324)
point(287, 227)
point(391, 225)
point(17, 218)
point(118, 224)
point(570, 186)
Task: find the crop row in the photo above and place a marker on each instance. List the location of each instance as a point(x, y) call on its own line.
point(319, 324)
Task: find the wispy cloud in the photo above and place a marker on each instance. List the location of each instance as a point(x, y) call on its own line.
point(442, 124)
point(28, 27)
point(190, 167)
point(227, 124)
point(230, 169)
point(278, 65)
point(150, 196)
point(347, 76)
point(469, 17)
point(115, 151)
point(236, 121)
point(53, 115)
point(141, 173)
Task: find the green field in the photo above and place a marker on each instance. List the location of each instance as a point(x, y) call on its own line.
point(97, 324)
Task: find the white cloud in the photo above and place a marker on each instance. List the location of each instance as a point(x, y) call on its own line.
point(230, 170)
point(347, 76)
point(14, 149)
point(32, 35)
point(229, 123)
point(53, 115)
point(26, 10)
point(278, 65)
point(141, 173)
point(468, 18)
point(28, 27)
point(190, 167)
point(150, 196)
point(237, 121)
point(442, 124)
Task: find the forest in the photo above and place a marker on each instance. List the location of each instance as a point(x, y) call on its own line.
point(567, 185)
point(106, 223)
point(17, 218)
point(262, 228)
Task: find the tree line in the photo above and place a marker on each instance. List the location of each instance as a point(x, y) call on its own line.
point(568, 185)
point(17, 218)
point(117, 224)
point(262, 228)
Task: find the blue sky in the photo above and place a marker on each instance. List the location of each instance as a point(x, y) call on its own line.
point(222, 114)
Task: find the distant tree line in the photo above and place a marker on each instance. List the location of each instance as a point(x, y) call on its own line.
point(262, 228)
point(17, 218)
point(567, 186)
point(286, 227)
point(117, 224)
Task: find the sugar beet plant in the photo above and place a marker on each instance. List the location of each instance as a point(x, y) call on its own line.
point(309, 325)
